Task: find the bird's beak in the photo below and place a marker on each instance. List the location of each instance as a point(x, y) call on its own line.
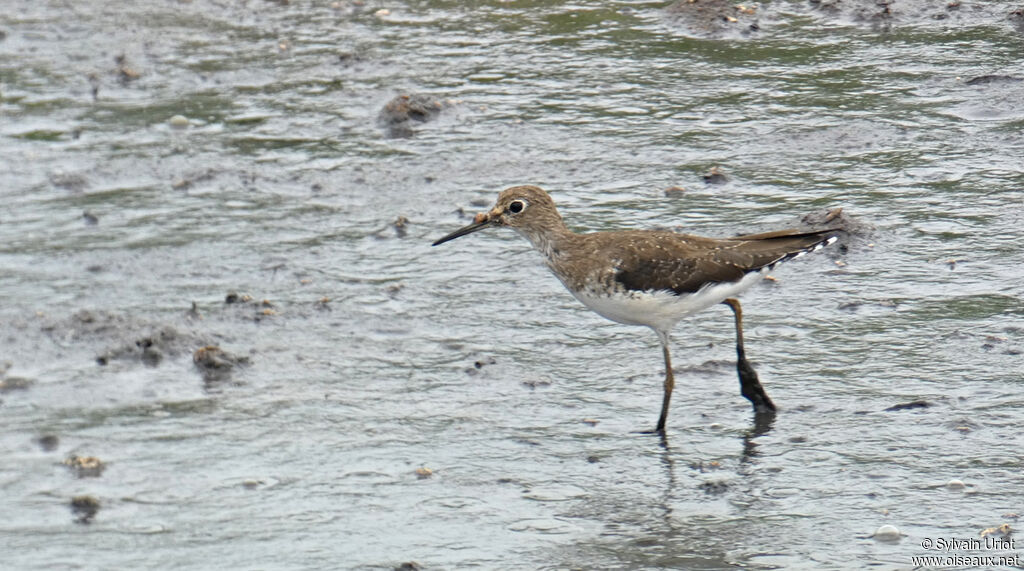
point(480, 221)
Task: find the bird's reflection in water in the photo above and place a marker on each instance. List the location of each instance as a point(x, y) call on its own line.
point(763, 423)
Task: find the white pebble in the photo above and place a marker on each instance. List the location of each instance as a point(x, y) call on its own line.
point(956, 484)
point(887, 533)
point(179, 122)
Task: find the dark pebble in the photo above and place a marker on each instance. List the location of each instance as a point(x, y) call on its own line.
point(48, 442)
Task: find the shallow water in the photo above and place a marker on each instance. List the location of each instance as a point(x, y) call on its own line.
point(285, 187)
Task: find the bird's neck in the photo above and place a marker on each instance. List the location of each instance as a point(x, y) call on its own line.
point(551, 240)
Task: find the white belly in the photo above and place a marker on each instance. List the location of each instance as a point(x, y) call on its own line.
point(661, 310)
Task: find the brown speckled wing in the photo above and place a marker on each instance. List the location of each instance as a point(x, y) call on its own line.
point(683, 264)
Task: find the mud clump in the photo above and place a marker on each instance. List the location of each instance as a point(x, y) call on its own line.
point(84, 508)
point(261, 309)
point(400, 226)
point(215, 364)
point(125, 73)
point(401, 113)
point(986, 79)
point(85, 466)
point(878, 13)
point(715, 176)
point(479, 364)
point(234, 297)
point(835, 219)
point(126, 338)
point(1016, 18)
point(9, 384)
point(714, 18)
point(48, 442)
point(909, 405)
point(72, 182)
point(148, 349)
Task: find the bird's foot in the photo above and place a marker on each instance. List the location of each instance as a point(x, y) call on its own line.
point(751, 389)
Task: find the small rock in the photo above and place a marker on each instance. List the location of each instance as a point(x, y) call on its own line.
point(409, 566)
point(179, 122)
point(887, 533)
point(1000, 531)
point(90, 219)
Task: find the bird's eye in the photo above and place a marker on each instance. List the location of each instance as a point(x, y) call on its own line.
point(516, 206)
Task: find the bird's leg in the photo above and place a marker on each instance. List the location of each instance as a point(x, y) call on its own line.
point(750, 385)
point(670, 383)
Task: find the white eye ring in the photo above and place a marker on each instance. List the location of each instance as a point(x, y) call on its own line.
point(517, 206)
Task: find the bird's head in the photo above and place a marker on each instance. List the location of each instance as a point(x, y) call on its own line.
point(527, 209)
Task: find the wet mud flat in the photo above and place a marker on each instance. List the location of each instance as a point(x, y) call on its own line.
point(226, 337)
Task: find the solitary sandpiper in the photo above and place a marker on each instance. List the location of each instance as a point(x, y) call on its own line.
point(649, 277)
